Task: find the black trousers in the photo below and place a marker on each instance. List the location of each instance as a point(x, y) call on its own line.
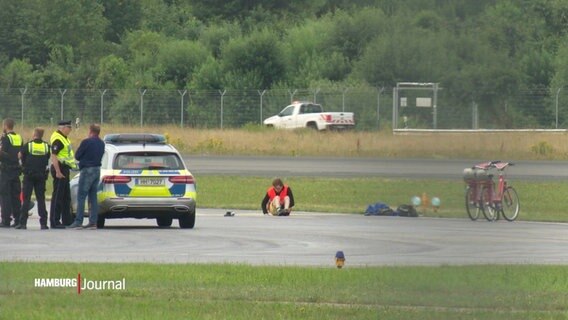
point(10, 189)
point(60, 209)
point(34, 182)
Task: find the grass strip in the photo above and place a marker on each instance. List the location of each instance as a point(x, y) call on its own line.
point(222, 291)
point(540, 201)
point(256, 140)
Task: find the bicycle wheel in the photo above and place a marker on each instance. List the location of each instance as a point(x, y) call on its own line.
point(471, 205)
point(510, 206)
point(488, 209)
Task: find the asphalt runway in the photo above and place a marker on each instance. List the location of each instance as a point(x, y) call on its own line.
point(305, 239)
point(308, 238)
point(364, 167)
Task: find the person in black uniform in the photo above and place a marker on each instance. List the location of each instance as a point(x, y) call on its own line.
point(35, 158)
point(62, 162)
point(10, 170)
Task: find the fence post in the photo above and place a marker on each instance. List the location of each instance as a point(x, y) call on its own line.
point(292, 93)
point(381, 89)
point(102, 104)
point(142, 93)
point(395, 107)
point(23, 93)
point(557, 93)
point(316, 91)
point(435, 107)
point(474, 116)
point(261, 95)
point(222, 97)
point(182, 94)
point(344, 91)
point(62, 94)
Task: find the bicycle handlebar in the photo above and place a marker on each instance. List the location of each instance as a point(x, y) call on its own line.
point(497, 164)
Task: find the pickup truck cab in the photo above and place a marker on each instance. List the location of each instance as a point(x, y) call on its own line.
point(301, 114)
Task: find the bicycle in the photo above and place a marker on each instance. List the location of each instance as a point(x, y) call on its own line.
point(501, 201)
point(478, 180)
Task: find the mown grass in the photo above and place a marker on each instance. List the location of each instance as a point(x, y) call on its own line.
point(190, 291)
point(540, 201)
point(255, 140)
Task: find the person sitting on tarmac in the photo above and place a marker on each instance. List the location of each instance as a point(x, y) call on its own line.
point(278, 200)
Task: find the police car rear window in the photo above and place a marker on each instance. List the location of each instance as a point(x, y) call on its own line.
point(148, 161)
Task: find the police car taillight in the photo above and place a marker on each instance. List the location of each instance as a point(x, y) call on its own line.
point(116, 179)
point(182, 179)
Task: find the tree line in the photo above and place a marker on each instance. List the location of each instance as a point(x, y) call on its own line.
point(486, 52)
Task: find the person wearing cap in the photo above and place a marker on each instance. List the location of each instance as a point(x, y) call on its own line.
point(89, 154)
point(278, 200)
point(35, 158)
point(10, 170)
point(62, 162)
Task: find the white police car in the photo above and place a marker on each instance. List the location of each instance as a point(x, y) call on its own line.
point(142, 176)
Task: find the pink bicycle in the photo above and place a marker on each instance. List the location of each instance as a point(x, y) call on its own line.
point(503, 199)
point(478, 181)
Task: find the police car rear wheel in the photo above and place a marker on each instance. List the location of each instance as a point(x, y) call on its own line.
point(187, 221)
point(164, 221)
point(100, 222)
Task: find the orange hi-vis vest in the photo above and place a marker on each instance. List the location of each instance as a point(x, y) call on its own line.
point(272, 192)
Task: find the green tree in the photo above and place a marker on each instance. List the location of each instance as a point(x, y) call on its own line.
point(170, 18)
point(404, 55)
point(112, 73)
point(560, 78)
point(428, 19)
point(30, 29)
point(305, 50)
point(143, 49)
point(506, 27)
point(257, 58)
point(239, 9)
point(351, 33)
point(208, 76)
point(58, 71)
point(554, 13)
point(20, 31)
point(17, 74)
point(177, 60)
point(78, 24)
point(537, 66)
point(560, 82)
point(122, 16)
point(216, 35)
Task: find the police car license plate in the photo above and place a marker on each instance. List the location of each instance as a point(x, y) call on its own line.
point(149, 181)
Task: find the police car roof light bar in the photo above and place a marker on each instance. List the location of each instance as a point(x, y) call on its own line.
point(124, 138)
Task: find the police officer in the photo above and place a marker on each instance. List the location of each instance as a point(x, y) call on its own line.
point(35, 158)
point(62, 162)
point(10, 170)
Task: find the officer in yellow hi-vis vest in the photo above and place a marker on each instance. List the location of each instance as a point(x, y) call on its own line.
point(62, 162)
point(35, 158)
point(10, 170)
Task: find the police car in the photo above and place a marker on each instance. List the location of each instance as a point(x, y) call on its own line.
point(142, 176)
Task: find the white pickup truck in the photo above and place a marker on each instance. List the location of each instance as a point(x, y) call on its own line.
point(301, 114)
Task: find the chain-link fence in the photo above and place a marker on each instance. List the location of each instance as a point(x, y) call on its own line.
point(542, 108)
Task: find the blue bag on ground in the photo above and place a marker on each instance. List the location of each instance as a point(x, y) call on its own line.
point(379, 209)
